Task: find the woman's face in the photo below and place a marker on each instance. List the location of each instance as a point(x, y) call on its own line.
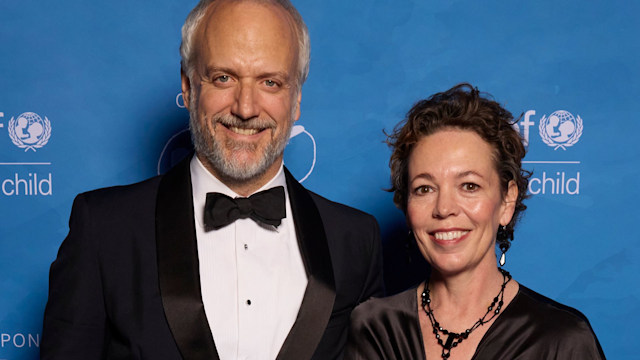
point(455, 203)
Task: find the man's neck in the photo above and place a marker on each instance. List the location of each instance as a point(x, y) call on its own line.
point(245, 187)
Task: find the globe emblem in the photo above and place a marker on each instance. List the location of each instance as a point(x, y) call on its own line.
point(561, 129)
point(29, 131)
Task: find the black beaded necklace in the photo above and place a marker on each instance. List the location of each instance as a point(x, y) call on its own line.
point(453, 339)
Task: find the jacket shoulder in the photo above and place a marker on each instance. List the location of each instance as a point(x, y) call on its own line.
point(326, 206)
point(140, 192)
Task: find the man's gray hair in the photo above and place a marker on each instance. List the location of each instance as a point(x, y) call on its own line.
point(193, 20)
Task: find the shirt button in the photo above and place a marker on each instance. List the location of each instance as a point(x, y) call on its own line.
point(246, 247)
point(248, 302)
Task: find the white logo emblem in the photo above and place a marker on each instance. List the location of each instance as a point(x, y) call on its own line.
point(297, 130)
point(560, 129)
point(29, 131)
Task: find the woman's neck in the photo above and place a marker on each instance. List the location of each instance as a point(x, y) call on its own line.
point(463, 297)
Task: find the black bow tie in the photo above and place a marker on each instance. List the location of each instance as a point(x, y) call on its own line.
point(266, 207)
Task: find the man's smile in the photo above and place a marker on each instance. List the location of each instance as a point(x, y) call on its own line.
point(244, 131)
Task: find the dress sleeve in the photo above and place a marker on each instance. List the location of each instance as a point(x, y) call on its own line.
point(534, 327)
point(386, 328)
point(580, 344)
point(75, 320)
point(362, 343)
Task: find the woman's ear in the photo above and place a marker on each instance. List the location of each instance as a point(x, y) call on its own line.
point(509, 203)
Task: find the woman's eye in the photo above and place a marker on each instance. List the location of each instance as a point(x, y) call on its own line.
point(423, 189)
point(470, 186)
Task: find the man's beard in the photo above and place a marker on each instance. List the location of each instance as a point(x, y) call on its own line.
point(230, 168)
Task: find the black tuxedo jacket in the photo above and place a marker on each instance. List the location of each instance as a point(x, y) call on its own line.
point(126, 284)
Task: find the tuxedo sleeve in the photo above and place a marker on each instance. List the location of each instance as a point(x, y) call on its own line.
point(373, 286)
point(75, 319)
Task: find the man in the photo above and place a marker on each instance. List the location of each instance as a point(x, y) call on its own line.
point(168, 269)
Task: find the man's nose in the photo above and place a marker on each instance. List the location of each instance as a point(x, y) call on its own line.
point(245, 105)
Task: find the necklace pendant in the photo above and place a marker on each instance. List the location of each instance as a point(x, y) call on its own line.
point(454, 339)
point(449, 343)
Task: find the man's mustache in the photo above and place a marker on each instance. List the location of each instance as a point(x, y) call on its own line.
point(230, 120)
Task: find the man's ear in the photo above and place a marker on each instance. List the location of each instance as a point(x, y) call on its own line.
point(186, 88)
point(298, 100)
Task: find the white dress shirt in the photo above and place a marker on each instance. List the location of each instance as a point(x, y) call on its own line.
point(252, 276)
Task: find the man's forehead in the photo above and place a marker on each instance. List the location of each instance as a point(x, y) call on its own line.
point(230, 17)
point(225, 9)
point(248, 28)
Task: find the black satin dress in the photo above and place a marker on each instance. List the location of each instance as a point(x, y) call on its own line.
point(531, 327)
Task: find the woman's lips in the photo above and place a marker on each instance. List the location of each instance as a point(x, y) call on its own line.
point(449, 237)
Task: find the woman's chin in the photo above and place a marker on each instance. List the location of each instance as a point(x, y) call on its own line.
point(449, 265)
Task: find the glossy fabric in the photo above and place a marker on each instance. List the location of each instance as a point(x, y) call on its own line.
point(530, 327)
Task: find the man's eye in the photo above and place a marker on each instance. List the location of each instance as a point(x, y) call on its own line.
point(223, 78)
point(270, 83)
point(470, 186)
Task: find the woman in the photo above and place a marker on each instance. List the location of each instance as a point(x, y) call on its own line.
point(456, 174)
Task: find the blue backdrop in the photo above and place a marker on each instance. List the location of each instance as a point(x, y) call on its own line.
point(90, 98)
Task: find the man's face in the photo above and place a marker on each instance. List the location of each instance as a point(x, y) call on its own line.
point(243, 96)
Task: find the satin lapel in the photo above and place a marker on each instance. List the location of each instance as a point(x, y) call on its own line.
point(178, 267)
point(317, 303)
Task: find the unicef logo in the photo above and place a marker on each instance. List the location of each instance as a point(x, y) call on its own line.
point(29, 131)
point(560, 129)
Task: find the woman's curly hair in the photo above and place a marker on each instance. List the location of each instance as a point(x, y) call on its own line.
point(462, 107)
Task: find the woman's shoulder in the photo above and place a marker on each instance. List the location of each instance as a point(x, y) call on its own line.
point(534, 326)
point(555, 325)
point(403, 304)
point(386, 328)
point(547, 311)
